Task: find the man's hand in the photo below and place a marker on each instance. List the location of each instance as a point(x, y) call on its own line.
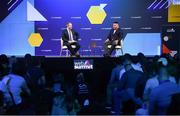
point(116, 42)
point(107, 41)
point(72, 41)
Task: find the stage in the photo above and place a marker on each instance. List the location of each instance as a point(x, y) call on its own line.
point(39, 32)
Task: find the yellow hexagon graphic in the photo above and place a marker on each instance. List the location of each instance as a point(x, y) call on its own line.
point(97, 14)
point(35, 39)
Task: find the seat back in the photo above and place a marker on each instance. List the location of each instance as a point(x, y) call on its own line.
point(122, 42)
point(62, 42)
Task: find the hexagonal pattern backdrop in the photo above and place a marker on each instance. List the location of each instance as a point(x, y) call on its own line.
point(96, 14)
point(35, 40)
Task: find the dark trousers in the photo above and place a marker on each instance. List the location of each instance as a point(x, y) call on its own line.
point(108, 51)
point(72, 50)
point(123, 96)
point(110, 89)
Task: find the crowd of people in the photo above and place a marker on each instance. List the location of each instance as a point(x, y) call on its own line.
point(24, 89)
point(145, 86)
point(138, 86)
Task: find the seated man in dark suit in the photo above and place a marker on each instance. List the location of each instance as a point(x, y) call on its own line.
point(70, 37)
point(114, 38)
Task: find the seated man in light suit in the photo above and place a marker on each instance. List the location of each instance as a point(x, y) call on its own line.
point(114, 38)
point(70, 37)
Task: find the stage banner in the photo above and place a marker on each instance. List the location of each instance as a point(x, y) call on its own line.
point(93, 20)
point(171, 40)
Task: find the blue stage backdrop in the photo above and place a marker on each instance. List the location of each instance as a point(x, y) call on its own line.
point(141, 21)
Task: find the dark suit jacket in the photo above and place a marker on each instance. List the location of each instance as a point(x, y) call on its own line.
point(117, 36)
point(65, 36)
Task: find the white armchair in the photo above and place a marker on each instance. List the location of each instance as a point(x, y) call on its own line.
point(64, 48)
point(118, 47)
